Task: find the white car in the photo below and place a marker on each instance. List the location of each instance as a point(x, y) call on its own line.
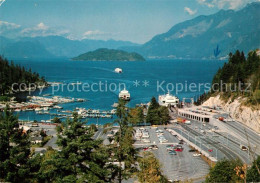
point(145, 135)
point(146, 140)
point(163, 140)
point(159, 131)
point(196, 155)
point(187, 122)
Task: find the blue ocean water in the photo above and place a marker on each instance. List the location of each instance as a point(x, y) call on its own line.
point(142, 79)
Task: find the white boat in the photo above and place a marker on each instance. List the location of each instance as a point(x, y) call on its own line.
point(38, 109)
point(115, 105)
point(57, 107)
point(168, 100)
point(118, 70)
point(124, 95)
point(81, 100)
point(46, 108)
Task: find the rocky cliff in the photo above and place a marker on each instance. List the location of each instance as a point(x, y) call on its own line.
point(244, 114)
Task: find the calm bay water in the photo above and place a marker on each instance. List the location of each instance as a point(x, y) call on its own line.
point(153, 78)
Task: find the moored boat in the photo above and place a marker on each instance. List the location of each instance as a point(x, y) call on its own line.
point(168, 100)
point(124, 95)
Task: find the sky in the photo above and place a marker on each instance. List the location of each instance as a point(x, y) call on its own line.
point(130, 20)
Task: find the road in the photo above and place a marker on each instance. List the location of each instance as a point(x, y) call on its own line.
point(223, 138)
point(52, 142)
point(221, 147)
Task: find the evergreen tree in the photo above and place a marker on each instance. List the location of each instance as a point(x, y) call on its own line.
point(236, 74)
point(152, 114)
point(81, 158)
point(157, 114)
point(15, 150)
point(11, 73)
point(123, 150)
point(136, 115)
point(164, 115)
point(153, 104)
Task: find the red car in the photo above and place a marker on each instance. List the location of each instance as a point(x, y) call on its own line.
point(146, 148)
point(178, 149)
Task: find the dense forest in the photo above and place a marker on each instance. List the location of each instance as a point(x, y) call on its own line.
point(240, 76)
point(11, 73)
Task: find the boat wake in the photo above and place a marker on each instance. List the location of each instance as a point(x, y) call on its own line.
point(103, 69)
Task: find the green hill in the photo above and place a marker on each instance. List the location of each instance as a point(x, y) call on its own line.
point(104, 54)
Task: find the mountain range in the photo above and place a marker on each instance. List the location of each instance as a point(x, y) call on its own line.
point(204, 37)
point(54, 46)
point(207, 37)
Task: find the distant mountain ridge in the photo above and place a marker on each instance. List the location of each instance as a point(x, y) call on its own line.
point(204, 37)
point(104, 54)
point(53, 46)
point(207, 37)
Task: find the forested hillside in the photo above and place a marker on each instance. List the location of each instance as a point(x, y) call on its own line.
point(104, 54)
point(240, 76)
point(11, 73)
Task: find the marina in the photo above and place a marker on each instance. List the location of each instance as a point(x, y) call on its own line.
point(38, 103)
point(49, 106)
point(104, 100)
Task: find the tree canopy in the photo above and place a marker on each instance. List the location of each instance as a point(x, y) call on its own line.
point(81, 158)
point(157, 115)
point(11, 73)
point(15, 150)
point(150, 169)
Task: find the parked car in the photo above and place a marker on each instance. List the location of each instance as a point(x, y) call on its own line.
point(154, 147)
point(192, 150)
point(170, 148)
point(146, 140)
point(196, 155)
point(187, 122)
point(243, 147)
point(170, 145)
point(146, 149)
point(172, 152)
point(159, 131)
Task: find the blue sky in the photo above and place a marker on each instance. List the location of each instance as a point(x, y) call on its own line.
point(132, 20)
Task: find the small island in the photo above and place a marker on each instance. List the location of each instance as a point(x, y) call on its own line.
point(104, 54)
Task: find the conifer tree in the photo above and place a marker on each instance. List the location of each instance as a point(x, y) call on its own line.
point(81, 159)
point(14, 150)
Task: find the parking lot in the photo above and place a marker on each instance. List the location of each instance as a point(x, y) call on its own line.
point(183, 165)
